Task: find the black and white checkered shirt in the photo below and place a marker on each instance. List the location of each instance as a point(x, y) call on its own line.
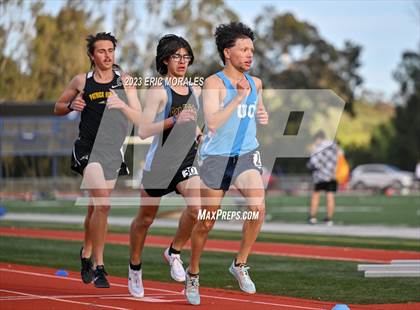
point(323, 162)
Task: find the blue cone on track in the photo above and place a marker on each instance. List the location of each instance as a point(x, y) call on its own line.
point(340, 307)
point(2, 210)
point(61, 273)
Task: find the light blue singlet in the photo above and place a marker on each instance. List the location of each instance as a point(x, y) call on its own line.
point(238, 135)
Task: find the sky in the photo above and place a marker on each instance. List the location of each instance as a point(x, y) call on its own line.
point(385, 29)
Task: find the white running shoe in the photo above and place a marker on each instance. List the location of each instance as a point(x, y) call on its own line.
point(312, 220)
point(135, 283)
point(191, 290)
point(328, 222)
point(177, 270)
point(244, 280)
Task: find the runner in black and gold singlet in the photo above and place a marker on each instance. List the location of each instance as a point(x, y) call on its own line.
point(107, 109)
point(170, 116)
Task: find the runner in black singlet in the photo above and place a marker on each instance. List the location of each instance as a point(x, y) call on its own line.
point(107, 109)
point(170, 116)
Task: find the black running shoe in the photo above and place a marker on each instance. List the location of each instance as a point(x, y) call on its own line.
point(86, 270)
point(99, 279)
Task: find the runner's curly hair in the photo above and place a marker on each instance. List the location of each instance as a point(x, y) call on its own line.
point(227, 34)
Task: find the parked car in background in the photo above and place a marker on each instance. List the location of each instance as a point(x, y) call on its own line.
point(380, 176)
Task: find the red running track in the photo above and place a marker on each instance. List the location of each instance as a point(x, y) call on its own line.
point(264, 248)
point(29, 287)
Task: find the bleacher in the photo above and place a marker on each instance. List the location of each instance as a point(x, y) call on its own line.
point(37, 135)
point(36, 146)
point(32, 134)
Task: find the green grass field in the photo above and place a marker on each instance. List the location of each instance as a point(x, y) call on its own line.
point(378, 210)
point(370, 210)
point(305, 278)
point(344, 241)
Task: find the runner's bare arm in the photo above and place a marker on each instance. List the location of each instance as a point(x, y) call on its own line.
point(198, 131)
point(132, 110)
point(71, 99)
point(262, 114)
point(197, 90)
point(155, 97)
point(214, 115)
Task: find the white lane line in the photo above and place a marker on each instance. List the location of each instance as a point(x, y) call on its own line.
point(68, 296)
point(16, 298)
point(338, 209)
point(63, 300)
point(111, 296)
point(348, 259)
point(167, 291)
point(157, 299)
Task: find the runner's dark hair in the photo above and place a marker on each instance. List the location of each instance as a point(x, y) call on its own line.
point(90, 46)
point(227, 34)
point(167, 46)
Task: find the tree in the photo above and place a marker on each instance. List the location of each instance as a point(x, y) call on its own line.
point(15, 35)
point(196, 20)
point(10, 79)
point(381, 143)
point(292, 54)
point(406, 144)
point(58, 52)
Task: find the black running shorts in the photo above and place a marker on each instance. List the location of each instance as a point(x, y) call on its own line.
point(111, 159)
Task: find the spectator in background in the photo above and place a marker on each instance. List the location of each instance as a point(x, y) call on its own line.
point(342, 173)
point(323, 163)
point(417, 173)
